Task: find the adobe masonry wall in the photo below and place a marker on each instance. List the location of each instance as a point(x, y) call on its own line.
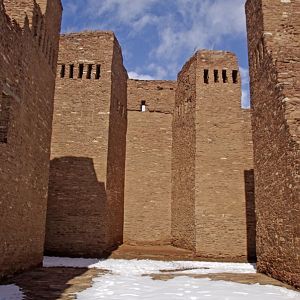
point(212, 161)
point(273, 38)
point(224, 158)
point(86, 188)
point(26, 108)
point(148, 162)
point(183, 159)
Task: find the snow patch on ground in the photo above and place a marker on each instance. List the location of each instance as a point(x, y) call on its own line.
point(140, 267)
point(126, 281)
point(120, 287)
point(10, 292)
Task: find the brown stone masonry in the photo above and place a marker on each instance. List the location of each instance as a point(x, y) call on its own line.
point(212, 185)
point(183, 159)
point(148, 162)
point(86, 188)
point(27, 80)
point(273, 38)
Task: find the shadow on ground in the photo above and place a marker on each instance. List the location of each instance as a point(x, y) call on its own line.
point(55, 283)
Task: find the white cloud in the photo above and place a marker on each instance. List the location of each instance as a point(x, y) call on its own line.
point(203, 23)
point(244, 75)
point(135, 75)
point(245, 98)
point(177, 28)
point(125, 11)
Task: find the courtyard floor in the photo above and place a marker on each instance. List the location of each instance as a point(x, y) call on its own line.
point(66, 279)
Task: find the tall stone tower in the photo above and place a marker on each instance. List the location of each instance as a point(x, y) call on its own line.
point(87, 170)
point(212, 161)
point(273, 39)
point(29, 37)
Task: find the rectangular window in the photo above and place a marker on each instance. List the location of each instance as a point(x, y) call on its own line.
point(98, 70)
point(216, 75)
point(224, 76)
point(71, 71)
point(80, 70)
point(63, 71)
point(89, 72)
point(143, 106)
point(235, 76)
point(4, 117)
point(206, 77)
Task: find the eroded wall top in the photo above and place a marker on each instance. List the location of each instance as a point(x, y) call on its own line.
point(156, 95)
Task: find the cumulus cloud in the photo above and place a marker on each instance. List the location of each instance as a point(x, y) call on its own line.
point(135, 75)
point(169, 31)
point(125, 11)
point(245, 87)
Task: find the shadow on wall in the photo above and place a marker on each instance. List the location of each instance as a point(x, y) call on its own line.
point(77, 207)
point(250, 214)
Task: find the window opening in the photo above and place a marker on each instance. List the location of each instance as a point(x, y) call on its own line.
point(63, 71)
point(4, 117)
point(89, 72)
point(224, 76)
point(143, 106)
point(216, 75)
point(71, 73)
point(206, 76)
point(80, 71)
point(97, 75)
point(235, 76)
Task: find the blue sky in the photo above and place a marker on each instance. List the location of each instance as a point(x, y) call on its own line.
point(158, 36)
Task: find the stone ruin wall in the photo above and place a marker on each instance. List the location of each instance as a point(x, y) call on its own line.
point(224, 161)
point(273, 39)
point(86, 187)
point(148, 162)
point(26, 108)
point(183, 159)
point(211, 160)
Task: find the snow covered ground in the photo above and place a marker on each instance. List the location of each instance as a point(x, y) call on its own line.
point(130, 279)
point(126, 281)
point(10, 292)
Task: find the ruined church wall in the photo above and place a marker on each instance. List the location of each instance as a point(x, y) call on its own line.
point(148, 162)
point(26, 108)
point(83, 201)
point(225, 224)
point(183, 159)
point(273, 40)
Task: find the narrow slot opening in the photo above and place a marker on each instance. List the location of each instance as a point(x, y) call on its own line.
point(98, 70)
point(224, 76)
point(80, 70)
point(206, 77)
point(235, 76)
point(71, 72)
point(216, 75)
point(4, 117)
point(143, 106)
point(89, 72)
point(63, 71)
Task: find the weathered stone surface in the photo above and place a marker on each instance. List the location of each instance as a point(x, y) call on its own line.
point(148, 162)
point(28, 59)
point(86, 188)
point(273, 38)
point(212, 181)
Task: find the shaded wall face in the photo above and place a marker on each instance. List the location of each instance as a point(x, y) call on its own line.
point(274, 71)
point(223, 158)
point(84, 109)
point(148, 162)
point(117, 148)
point(183, 159)
point(26, 95)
